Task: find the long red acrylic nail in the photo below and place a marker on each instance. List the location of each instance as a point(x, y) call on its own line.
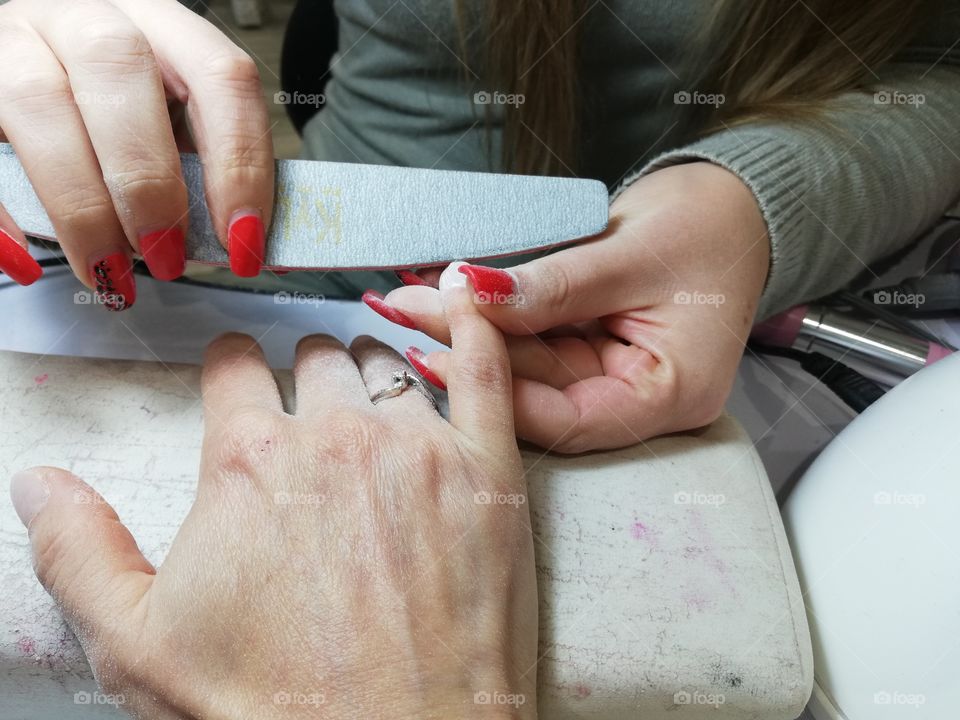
point(246, 243)
point(488, 281)
point(17, 262)
point(164, 253)
point(374, 301)
point(113, 278)
point(417, 358)
point(410, 278)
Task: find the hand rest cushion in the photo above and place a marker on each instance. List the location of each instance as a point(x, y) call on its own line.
point(666, 585)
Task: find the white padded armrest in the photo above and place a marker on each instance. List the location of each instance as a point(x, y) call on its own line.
point(667, 588)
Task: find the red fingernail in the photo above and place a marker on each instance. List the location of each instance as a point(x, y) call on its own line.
point(17, 262)
point(417, 358)
point(246, 243)
point(115, 284)
point(374, 301)
point(164, 253)
point(410, 278)
point(488, 281)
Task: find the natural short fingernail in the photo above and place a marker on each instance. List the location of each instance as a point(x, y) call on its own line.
point(246, 243)
point(113, 278)
point(374, 301)
point(29, 493)
point(164, 252)
point(16, 262)
point(452, 278)
point(418, 359)
point(489, 282)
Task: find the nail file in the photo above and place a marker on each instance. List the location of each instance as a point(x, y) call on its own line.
point(352, 217)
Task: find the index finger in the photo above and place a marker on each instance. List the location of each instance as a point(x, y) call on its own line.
point(220, 84)
point(478, 379)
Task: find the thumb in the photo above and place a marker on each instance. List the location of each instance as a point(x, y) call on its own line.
point(82, 554)
point(569, 286)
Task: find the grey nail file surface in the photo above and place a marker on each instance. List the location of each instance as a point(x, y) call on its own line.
point(345, 216)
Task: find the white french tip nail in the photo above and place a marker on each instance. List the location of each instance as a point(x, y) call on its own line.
point(452, 278)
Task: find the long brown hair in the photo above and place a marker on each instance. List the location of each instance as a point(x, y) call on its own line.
point(769, 58)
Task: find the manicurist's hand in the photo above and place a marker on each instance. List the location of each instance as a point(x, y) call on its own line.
point(352, 560)
point(90, 94)
point(635, 334)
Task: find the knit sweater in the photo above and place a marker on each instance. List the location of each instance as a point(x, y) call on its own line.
point(837, 194)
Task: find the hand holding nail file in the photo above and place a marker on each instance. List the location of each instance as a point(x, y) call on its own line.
point(357, 217)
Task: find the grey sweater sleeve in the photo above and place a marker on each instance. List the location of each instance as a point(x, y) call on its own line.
point(840, 193)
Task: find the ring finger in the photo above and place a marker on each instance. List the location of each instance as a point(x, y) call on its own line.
point(378, 364)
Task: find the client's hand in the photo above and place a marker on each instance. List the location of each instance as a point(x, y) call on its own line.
point(632, 335)
point(349, 561)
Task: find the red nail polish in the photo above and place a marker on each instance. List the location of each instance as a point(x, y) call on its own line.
point(416, 357)
point(490, 282)
point(374, 301)
point(410, 278)
point(246, 244)
point(17, 262)
point(114, 281)
point(164, 253)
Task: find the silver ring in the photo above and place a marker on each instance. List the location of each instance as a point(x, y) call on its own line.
point(401, 381)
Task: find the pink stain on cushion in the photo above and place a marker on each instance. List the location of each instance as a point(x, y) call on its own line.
point(41, 379)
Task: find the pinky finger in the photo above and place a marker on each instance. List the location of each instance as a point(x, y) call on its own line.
point(15, 261)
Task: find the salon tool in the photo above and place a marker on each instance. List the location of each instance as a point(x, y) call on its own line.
point(354, 217)
point(873, 527)
point(815, 328)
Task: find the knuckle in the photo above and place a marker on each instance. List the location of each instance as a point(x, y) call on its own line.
point(485, 372)
point(234, 70)
point(112, 45)
point(138, 177)
point(247, 442)
point(558, 283)
point(50, 551)
point(241, 158)
point(34, 87)
point(353, 438)
point(84, 207)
